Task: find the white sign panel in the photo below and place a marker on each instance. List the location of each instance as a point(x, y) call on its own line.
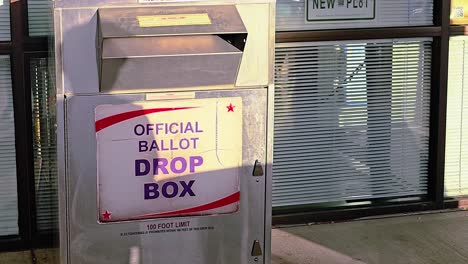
point(169, 158)
point(336, 10)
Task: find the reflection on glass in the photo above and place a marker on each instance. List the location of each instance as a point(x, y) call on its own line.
point(5, 20)
point(39, 17)
point(456, 147)
point(459, 12)
point(44, 145)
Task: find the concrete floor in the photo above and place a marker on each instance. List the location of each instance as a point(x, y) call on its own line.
point(417, 239)
point(43, 256)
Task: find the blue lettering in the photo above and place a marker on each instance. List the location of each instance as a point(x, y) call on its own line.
point(177, 165)
point(197, 129)
point(151, 191)
point(142, 146)
point(172, 129)
point(138, 169)
point(169, 190)
point(160, 164)
point(175, 189)
point(188, 128)
point(142, 129)
point(187, 188)
point(154, 146)
point(195, 161)
point(183, 165)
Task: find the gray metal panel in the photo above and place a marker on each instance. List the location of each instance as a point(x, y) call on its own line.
point(165, 46)
point(78, 47)
point(123, 22)
point(229, 243)
point(62, 190)
point(88, 3)
point(62, 180)
point(56, 53)
point(270, 141)
point(94, 3)
point(169, 72)
point(168, 62)
point(202, 60)
point(80, 58)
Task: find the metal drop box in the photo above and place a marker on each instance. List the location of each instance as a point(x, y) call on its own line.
point(165, 122)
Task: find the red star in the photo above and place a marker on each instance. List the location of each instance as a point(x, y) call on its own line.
point(230, 108)
point(107, 215)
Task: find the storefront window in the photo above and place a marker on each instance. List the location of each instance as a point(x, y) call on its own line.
point(456, 154)
point(351, 121)
point(44, 145)
point(8, 182)
point(5, 21)
point(39, 17)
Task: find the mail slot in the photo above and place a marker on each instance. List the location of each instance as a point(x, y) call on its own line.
point(164, 130)
point(189, 47)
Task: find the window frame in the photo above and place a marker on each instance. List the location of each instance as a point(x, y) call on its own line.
point(21, 48)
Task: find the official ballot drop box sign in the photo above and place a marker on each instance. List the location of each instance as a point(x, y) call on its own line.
point(173, 158)
point(164, 131)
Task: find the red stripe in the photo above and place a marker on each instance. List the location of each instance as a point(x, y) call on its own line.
point(112, 120)
point(213, 205)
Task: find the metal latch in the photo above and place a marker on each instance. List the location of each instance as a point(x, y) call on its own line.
point(256, 249)
point(258, 169)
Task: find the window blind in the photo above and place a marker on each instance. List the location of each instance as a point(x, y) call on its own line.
point(388, 13)
point(44, 145)
point(351, 120)
point(456, 154)
point(5, 21)
point(40, 17)
point(8, 183)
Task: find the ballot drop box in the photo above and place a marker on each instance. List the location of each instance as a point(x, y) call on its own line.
point(164, 130)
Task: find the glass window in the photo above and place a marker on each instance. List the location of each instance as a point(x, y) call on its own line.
point(291, 15)
point(456, 154)
point(5, 20)
point(44, 145)
point(351, 121)
point(8, 183)
point(40, 17)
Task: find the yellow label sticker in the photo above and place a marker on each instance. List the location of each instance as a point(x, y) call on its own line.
point(174, 20)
